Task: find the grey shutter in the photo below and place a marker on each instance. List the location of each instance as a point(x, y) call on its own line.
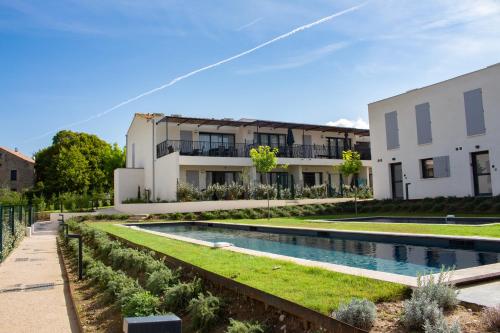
point(474, 112)
point(193, 177)
point(392, 130)
point(441, 166)
point(423, 117)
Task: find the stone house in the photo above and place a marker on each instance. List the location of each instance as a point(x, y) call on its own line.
point(17, 171)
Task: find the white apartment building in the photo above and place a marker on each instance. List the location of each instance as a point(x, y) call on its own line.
point(163, 151)
point(439, 140)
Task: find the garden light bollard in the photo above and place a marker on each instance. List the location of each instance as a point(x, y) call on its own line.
point(66, 230)
point(169, 323)
point(80, 253)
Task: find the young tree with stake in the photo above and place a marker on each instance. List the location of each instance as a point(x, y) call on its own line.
point(264, 160)
point(350, 166)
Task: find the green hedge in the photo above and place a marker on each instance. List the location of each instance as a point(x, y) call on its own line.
point(142, 284)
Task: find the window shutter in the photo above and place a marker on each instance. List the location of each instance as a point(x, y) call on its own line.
point(441, 166)
point(392, 130)
point(423, 117)
point(474, 112)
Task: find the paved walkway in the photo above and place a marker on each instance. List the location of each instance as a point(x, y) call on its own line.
point(33, 294)
point(487, 294)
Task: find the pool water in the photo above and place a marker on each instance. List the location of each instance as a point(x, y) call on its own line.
point(395, 258)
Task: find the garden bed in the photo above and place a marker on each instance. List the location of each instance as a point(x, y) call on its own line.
point(94, 311)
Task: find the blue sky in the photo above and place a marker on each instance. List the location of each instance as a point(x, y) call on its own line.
point(62, 62)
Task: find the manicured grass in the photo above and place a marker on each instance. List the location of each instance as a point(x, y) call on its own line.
point(453, 230)
point(314, 288)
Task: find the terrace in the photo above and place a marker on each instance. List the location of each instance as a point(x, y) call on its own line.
point(204, 148)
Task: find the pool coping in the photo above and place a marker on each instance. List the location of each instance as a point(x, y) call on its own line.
point(458, 277)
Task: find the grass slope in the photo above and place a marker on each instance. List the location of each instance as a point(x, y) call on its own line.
point(314, 288)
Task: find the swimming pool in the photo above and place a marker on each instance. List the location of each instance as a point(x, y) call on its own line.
point(361, 251)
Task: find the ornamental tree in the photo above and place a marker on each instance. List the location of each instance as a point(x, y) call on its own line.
point(351, 165)
point(264, 160)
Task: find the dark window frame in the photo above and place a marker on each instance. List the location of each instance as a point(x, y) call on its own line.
point(281, 138)
point(13, 175)
point(218, 143)
point(334, 148)
point(427, 173)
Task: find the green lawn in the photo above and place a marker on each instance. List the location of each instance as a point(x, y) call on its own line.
point(314, 288)
point(454, 230)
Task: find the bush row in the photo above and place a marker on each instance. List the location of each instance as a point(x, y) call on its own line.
point(133, 300)
point(158, 280)
point(236, 191)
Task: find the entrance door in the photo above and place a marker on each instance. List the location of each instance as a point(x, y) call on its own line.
point(397, 181)
point(481, 173)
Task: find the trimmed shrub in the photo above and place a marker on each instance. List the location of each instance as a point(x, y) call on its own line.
point(420, 311)
point(236, 326)
point(204, 311)
point(139, 304)
point(358, 312)
point(491, 318)
point(442, 327)
point(440, 291)
point(177, 297)
point(159, 281)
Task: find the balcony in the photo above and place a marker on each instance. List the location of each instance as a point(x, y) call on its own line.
point(203, 148)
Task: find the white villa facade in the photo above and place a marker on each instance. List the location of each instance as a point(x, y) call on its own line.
point(163, 151)
point(440, 140)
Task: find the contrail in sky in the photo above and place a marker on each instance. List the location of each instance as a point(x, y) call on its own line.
point(185, 76)
point(250, 24)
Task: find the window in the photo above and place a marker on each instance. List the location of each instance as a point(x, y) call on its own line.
point(309, 179)
point(337, 145)
point(273, 178)
point(271, 140)
point(222, 177)
point(13, 175)
point(436, 167)
point(216, 140)
point(427, 168)
point(193, 177)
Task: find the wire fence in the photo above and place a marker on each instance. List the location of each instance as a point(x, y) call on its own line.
point(13, 222)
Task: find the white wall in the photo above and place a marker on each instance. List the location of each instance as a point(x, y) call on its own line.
point(167, 173)
point(203, 206)
point(448, 132)
point(126, 183)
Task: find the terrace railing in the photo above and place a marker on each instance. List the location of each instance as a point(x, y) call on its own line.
point(203, 148)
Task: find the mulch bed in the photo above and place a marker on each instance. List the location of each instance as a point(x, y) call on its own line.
point(388, 319)
point(96, 312)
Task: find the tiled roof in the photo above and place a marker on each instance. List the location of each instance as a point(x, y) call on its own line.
point(18, 154)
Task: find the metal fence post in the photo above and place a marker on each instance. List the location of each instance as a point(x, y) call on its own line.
point(30, 215)
point(11, 220)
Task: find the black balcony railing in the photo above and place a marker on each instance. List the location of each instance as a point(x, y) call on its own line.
point(203, 148)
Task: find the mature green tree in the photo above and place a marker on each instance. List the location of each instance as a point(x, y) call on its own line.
point(77, 162)
point(351, 165)
point(264, 160)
